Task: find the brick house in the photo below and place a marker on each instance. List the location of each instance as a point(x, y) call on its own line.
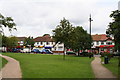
point(47, 42)
point(102, 43)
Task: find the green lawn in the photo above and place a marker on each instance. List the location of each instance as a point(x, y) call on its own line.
point(53, 66)
point(113, 66)
point(2, 62)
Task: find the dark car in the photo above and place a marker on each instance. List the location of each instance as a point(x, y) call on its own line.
point(70, 53)
point(15, 50)
point(36, 51)
point(46, 51)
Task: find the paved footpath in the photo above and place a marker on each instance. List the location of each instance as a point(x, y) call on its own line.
point(99, 70)
point(11, 69)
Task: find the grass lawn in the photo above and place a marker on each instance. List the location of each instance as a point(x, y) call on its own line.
point(113, 66)
point(53, 66)
point(2, 62)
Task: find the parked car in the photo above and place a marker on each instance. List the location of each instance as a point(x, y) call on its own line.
point(36, 51)
point(26, 50)
point(16, 50)
point(46, 51)
point(70, 53)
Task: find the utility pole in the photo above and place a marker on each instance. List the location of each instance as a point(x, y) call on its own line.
point(90, 20)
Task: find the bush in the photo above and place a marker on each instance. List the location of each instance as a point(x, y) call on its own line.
point(109, 55)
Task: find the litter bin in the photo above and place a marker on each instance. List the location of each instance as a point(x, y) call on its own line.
point(106, 60)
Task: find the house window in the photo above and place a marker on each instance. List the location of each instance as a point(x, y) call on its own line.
point(97, 43)
point(37, 42)
point(47, 43)
point(52, 43)
point(41, 43)
point(102, 43)
point(109, 43)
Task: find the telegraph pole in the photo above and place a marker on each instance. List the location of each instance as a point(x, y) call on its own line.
point(90, 20)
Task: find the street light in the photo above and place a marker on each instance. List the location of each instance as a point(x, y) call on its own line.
point(90, 28)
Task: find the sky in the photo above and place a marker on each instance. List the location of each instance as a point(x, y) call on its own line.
point(38, 17)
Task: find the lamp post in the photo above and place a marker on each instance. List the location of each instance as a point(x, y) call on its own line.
point(90, 20)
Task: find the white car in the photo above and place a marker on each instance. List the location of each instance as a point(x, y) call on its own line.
point(26, 50)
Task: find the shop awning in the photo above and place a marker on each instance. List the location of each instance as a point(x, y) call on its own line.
point(109, 46)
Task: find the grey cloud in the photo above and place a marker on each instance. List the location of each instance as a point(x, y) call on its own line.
point(41, 16)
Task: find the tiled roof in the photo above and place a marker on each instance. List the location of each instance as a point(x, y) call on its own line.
point(43, 39)
point(21, 38)
point(101, 37)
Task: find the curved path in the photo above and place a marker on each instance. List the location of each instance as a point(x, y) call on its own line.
point(99, 70)
point(11, 69)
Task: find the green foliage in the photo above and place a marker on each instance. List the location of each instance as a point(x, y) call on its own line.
point(29, 42)
point(114, 28)
point(46, 34)
point(62, 32)
point(6, 22)
point(13, 41)
point(9, 41)
point(80, 39)
point(75, 38)
point(109, 55)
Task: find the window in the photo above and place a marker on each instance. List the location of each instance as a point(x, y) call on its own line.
point(41, 43)
point(102, 43)
point(37, 42)
point(97, 43)
point(109, 42)
point(52, 43)
point(47, 43)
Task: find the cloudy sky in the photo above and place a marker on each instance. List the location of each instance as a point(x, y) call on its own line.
point(38, 17)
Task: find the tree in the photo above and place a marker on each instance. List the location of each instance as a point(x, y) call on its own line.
point(80, 39)
point(29, 42)
point(46, 35)
point(5, 41)
point(114, 29)
point(62, 33)
point(12, 42)
point(6, 22)
point(9, 42)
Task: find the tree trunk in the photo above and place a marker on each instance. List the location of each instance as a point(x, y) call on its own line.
point(64, 53)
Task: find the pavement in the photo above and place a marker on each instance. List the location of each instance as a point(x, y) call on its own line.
point(99, 70)
point(11, 69)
